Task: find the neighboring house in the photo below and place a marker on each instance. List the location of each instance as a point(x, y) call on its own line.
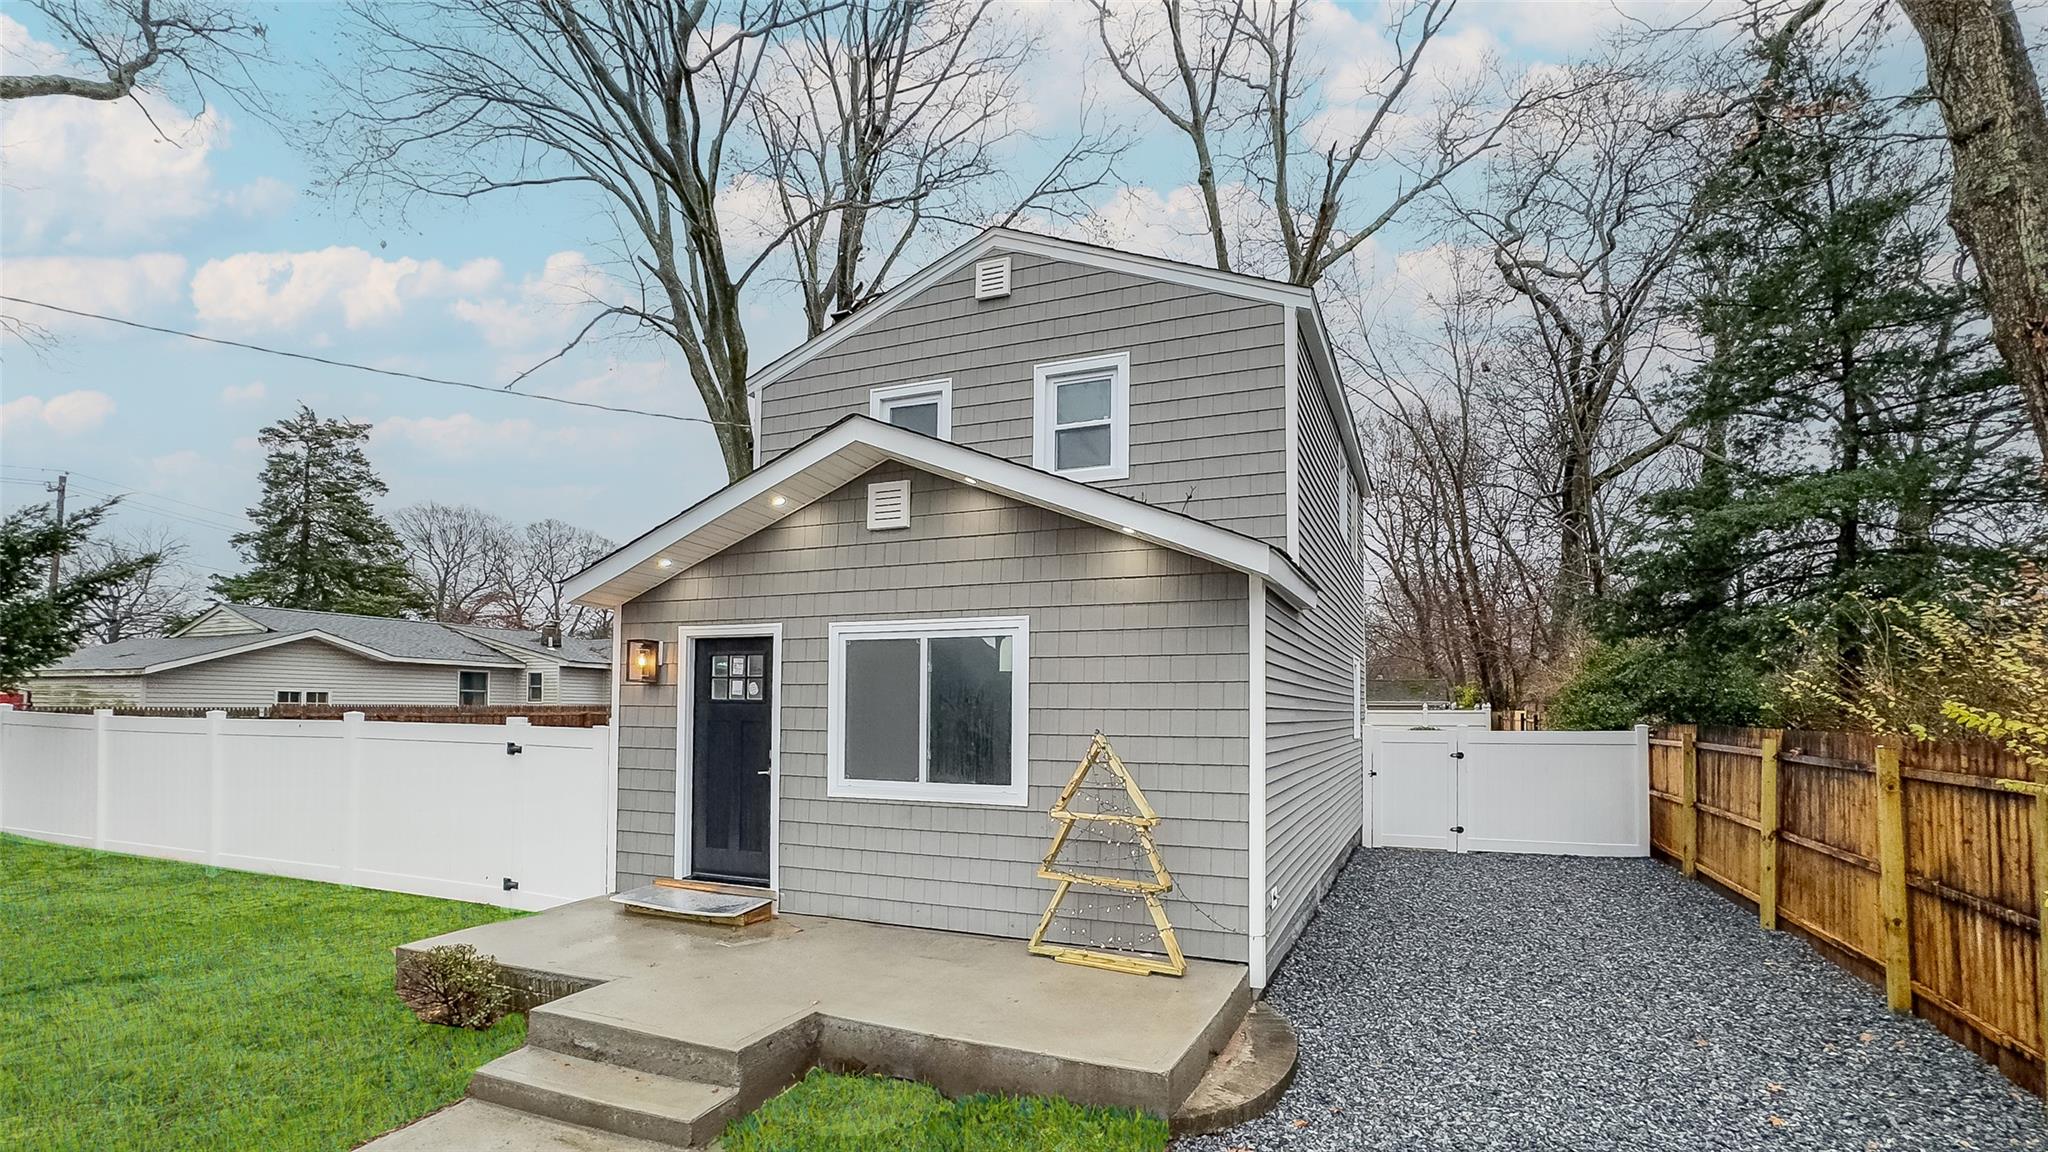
point(1039, 489)
point(242, 655)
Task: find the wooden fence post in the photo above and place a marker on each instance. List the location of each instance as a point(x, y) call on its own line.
point(1689, 799)
point(1767, 832)
point(1891, 881)
point(2040, 799)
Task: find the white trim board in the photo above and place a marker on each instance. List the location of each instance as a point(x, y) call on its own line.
point(686, 701)
point(1260, 900)
point(856, 445)
point(1045, 381)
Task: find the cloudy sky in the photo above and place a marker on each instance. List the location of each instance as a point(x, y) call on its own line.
point(210, 223)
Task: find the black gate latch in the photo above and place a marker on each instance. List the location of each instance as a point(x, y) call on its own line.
point(1457, 755)
point(510, 884)
point(512, 749)
point(1460, 829)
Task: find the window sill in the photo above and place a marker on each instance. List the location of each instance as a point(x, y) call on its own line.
point(1091, 475)
point(959, 795)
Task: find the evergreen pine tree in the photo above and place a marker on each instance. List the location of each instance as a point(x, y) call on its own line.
point(1859, 434)
point(318, 543)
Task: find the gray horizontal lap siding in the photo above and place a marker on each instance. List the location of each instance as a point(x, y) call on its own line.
point(1314, 763)
point(1208, 409)
point(254, 678)
point(1145, 643)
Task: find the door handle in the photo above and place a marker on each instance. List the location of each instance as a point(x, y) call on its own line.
point(765, 772)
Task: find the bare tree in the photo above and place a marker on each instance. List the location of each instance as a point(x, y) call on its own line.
point(1176, 56)
point(1980, 73)
point(1584, 215)
point(146, 44)
point(456, 555)
point(1233, 74)
point(1458, 534)
point(157, 591)
point(533, 572)
point(898, 112)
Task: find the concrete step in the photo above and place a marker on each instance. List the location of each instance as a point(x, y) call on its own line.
point(1246, 1078)
point(474, 1126)
point(570, 1089)
point(758, 1055)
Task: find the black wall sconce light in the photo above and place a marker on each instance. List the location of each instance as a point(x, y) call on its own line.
point(643, 661)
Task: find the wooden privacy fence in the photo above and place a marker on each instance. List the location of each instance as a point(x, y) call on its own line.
point(1922, 867)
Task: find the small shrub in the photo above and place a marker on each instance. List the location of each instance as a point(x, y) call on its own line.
point(454, 984)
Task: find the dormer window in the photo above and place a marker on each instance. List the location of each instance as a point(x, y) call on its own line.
point(1083, 428)
point(925, 408)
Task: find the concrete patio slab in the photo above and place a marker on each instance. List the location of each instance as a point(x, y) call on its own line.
point(747, 1010)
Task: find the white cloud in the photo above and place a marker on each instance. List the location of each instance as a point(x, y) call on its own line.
point(89, 173)
point(543, 308)
point(128, 286)
point(176, 465)
point(280, 290)
point(66, 414)
point(459, 435)
point(248, 393)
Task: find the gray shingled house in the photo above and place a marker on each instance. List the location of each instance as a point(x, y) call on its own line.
point(246, 655)
point(1039, 489)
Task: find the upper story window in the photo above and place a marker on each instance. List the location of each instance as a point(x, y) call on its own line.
point(925, 408)
point(1083, 425)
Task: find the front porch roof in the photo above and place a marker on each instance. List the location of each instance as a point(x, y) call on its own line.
point(856, 445)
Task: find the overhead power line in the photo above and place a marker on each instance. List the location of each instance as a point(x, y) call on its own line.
point(332, 363)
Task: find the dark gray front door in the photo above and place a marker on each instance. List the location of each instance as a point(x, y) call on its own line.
point(730, 729)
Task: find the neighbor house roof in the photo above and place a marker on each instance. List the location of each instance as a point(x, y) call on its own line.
point(1314, 333)
point(857, 444)
point(376, 638)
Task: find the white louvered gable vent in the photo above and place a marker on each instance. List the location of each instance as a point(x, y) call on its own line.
point(992, 278)
point(889, 504)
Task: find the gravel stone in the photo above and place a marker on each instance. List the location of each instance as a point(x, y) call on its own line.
point(1495, 1001)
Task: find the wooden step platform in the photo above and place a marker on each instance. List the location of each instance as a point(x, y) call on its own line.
point(700, 904)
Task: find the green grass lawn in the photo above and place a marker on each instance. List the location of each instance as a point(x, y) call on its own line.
point(828, 1113)
point(149, 1004)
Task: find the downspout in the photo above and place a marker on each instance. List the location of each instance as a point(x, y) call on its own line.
point(1256, 868)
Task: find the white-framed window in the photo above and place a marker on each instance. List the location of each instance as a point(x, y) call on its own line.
point(925, 407)
point(536, 687)
point(472, 687)
point(932, 710)
point(300, 696)
point(1083, 425)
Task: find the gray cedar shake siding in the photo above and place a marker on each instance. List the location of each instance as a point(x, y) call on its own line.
point(1314, 758)
point(1208, 412)
point(1144, 642)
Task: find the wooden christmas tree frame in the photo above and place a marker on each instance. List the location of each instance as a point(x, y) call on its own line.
point(1142, 820)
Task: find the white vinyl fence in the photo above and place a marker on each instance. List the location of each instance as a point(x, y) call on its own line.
point(1471, 790)
point(446, 810)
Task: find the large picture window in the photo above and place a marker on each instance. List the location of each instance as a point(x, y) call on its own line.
point(1083, 429)
point(929, 710)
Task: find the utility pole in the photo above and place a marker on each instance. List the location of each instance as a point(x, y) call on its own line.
point(57, 557)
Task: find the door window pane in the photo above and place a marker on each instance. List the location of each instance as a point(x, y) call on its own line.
point(921, 416)
point(969, 738)
point(718, 689)
point(1080, 401)
point(1081, 447)
point(882, 709)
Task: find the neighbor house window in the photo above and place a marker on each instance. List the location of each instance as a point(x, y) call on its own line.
point(1083, 425)
point(929, 710)
point(536, 688)
point(298, 696)
point(316, 697)
point(472, 687)
point(926, 408)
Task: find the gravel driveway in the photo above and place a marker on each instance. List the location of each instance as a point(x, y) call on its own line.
point(1541, 1002)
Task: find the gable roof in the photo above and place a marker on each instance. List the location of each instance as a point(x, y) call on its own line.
point(379, 638)
point(854, 446)
point(1314, 333)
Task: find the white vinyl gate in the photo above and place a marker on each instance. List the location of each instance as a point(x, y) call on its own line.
point(1470, 790)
